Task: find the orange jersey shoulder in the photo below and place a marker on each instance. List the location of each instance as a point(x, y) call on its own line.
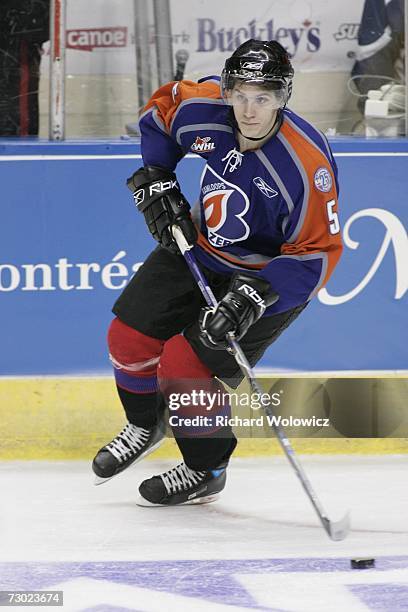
point(170, 96)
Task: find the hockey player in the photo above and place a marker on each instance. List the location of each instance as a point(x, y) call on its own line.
point(267, 237)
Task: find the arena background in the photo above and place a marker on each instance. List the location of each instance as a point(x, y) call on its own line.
point(70, 238)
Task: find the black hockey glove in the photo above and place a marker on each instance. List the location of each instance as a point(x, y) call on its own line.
point(241, 307)
point(157, 195)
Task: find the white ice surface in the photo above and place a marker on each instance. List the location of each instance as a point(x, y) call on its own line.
point(52, 511)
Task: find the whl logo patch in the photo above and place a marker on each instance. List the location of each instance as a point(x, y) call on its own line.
point(203, 144)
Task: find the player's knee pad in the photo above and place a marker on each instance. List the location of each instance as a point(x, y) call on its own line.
point(190, 390)
point(181, 371)
point(131, 351)
point(178, 360)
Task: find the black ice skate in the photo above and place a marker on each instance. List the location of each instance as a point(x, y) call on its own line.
point(131, 445)
point(181, 486)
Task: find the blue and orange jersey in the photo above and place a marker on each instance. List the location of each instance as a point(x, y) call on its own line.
point(272, 210)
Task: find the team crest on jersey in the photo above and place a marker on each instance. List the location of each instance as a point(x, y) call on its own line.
point(322, 179)
point(203, 144)
point(225, 206)
point(266, 189)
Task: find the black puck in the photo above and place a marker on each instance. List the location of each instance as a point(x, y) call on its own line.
point(362, 563)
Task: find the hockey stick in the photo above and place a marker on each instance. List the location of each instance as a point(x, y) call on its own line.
point(336, 530)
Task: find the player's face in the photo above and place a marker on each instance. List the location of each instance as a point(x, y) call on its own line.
point(254, 107)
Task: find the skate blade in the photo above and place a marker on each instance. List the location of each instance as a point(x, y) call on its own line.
point(141, 501)
point(99, 480)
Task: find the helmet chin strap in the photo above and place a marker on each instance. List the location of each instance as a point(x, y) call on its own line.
point(274, 128)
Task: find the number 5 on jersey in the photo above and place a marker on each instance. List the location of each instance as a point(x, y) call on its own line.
point(334, 224)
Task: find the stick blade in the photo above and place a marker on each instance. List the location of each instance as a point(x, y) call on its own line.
point(337, 530)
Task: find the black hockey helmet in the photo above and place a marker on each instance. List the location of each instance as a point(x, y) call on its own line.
point(260, 62)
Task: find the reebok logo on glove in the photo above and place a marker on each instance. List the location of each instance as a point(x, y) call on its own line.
point(163, 186)
point(253, 294)
point(139, 196)
point(157, 195)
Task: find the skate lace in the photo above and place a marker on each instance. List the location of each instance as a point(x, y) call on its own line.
point(233, 159)
point(181, 478)
point(130, 440)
